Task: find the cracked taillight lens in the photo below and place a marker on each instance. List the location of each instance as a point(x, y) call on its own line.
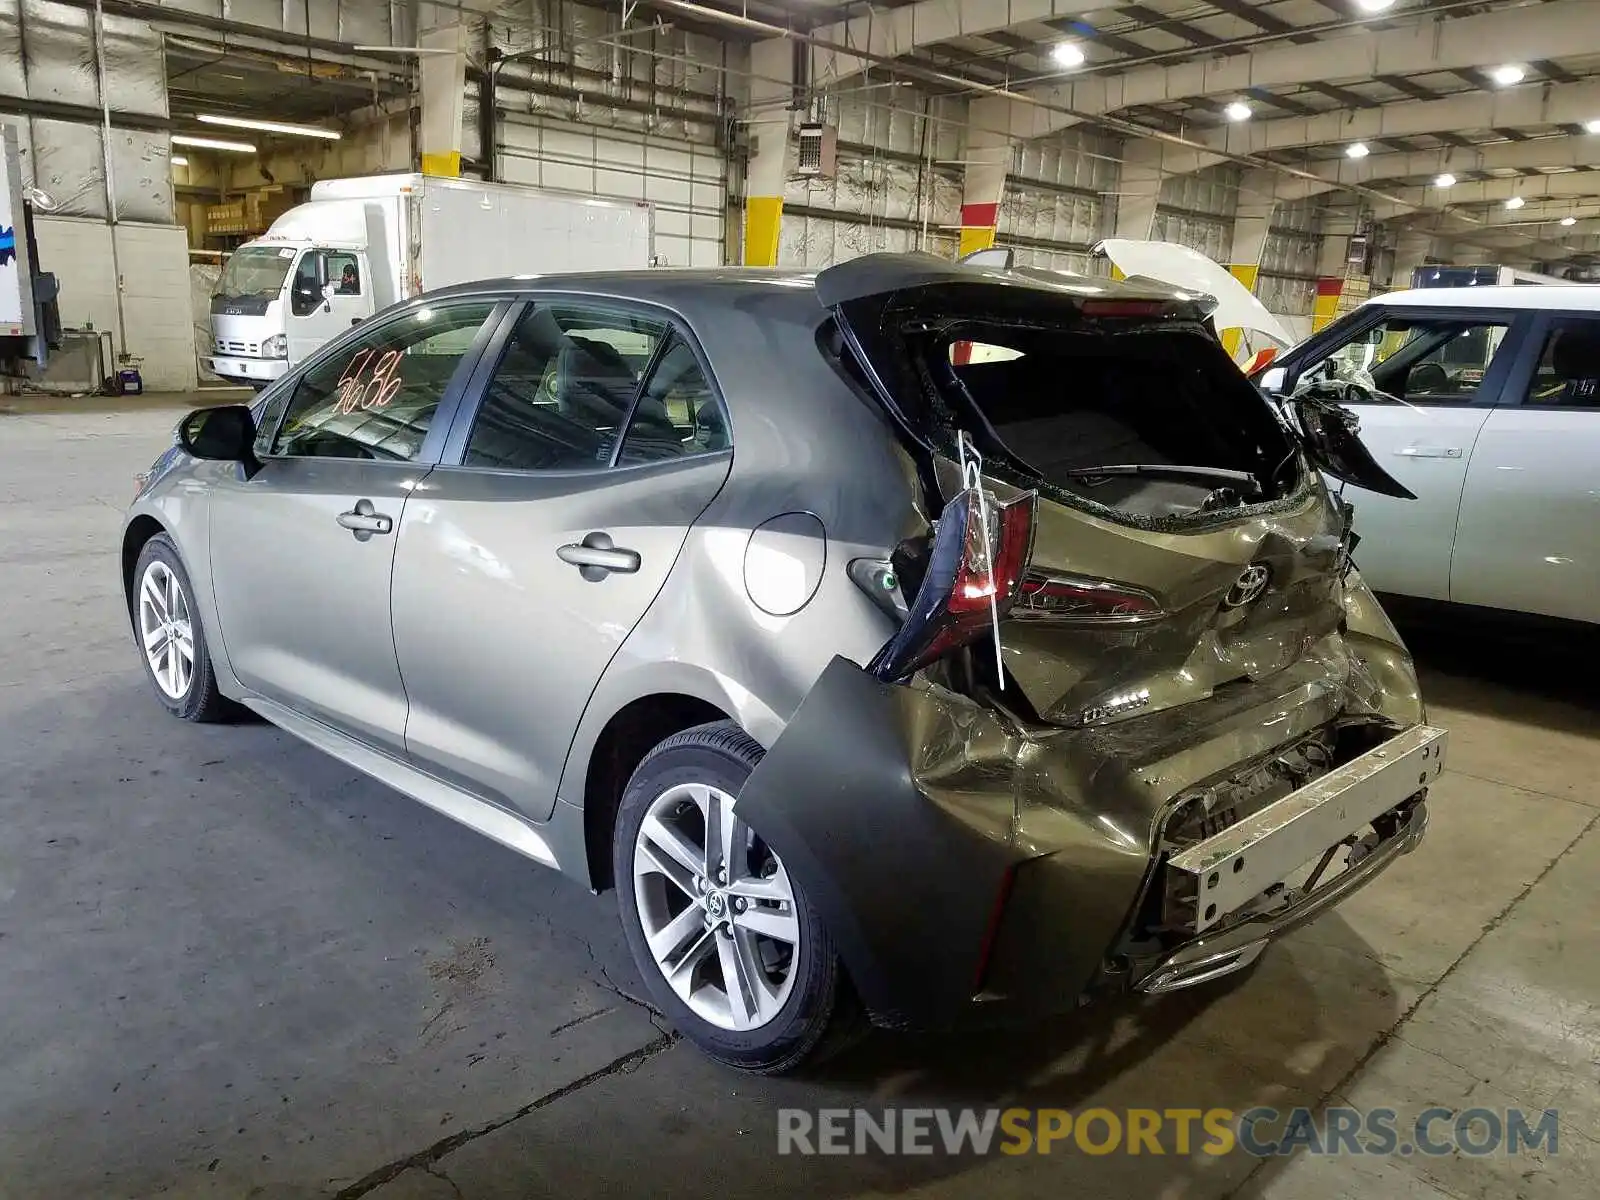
point(971, 580)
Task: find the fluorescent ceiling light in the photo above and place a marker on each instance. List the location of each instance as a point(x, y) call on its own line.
point(1515, 202)
point(1374, 5)
point(1507, 75)
point(1569, 220)
point(184, 139)
point(1592, 126)
point(179, 160)
point(1237, 111)
point(315, 131)
point(1445, 180)
point(1357, 150)
point(1067, 54)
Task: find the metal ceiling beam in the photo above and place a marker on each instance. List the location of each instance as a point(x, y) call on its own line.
point(1009, 99)
point(1549, 153)
point(893, 32)
point(1519, 107)
point(1417, 43)
point(1491, 191)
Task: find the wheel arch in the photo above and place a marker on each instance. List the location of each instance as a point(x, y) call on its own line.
point(631, 733)
point(135, 537)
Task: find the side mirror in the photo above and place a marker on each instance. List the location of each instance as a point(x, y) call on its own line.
point(1273, 381)
point(225, 434)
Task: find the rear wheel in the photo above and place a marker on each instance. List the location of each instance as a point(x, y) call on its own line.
point(726, 940)
point(171, 641)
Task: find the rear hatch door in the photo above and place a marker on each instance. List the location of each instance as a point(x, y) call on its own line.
point(1138, 595)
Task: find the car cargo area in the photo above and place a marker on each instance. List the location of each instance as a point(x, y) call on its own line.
point(1061, 404)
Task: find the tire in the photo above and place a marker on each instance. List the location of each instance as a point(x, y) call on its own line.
point(169, 637)
point(797, 1004)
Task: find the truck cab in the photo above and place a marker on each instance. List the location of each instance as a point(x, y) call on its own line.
point(277, 301)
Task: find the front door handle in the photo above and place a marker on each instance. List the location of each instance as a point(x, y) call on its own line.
point(1429, 452)
point(597, 556)
point(364, 521)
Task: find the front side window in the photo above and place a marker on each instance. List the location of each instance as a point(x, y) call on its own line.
point(376, 398)
point(1568, 374)
point(563, 389)
point(1421, 360)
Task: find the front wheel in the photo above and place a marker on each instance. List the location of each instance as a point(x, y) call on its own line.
point(170, 638)
point(729, 946)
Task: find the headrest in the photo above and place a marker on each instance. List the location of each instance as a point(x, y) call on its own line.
point(1577, 354)
point(585, 358)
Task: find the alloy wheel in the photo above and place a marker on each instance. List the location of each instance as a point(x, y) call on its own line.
point(717, 908)
point(166, 630)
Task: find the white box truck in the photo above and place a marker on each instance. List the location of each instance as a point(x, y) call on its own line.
point(360, 245)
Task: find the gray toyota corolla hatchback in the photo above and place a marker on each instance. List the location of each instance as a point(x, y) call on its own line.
point(914, 638)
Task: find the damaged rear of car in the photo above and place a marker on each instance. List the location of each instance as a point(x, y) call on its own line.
point(1140, 714)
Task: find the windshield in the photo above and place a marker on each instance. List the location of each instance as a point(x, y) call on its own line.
point(255, 271)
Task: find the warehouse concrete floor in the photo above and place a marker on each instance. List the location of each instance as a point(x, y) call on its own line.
point(230, 967)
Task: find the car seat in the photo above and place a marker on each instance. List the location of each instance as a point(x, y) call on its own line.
point(1576, 359)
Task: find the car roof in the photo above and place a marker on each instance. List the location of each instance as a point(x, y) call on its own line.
point(1529, 295)
point(871, 273)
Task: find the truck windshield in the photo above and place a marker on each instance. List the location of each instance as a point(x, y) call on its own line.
point(256, 271)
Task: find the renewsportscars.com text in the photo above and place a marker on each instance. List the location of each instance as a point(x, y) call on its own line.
point(1261, 1131)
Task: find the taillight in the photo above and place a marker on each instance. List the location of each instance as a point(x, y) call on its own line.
point(974, 576)
point(1079, 598)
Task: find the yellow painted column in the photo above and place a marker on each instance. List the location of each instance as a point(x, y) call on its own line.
point(1326, 307)
point(1247, 274)
point(771, 91)
point(763, 218)
point(441, 80)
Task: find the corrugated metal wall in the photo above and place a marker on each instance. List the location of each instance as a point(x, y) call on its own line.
point(1197, 210)
point(1289, 261)
point(47, 54)
point(1055, 207)
point(363, 22)
point(897, 187)
point(640, 117)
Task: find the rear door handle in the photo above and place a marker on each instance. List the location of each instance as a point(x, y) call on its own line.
point(1429, 452)
point(597, 556)
point(364, 521)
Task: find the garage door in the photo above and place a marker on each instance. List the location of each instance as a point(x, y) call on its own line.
point(684, 181)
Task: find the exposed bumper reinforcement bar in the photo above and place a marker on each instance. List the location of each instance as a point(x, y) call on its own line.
point(1234, 867)
point(1236, 947)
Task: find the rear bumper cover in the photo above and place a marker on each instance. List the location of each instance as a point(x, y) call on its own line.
point(968, 871)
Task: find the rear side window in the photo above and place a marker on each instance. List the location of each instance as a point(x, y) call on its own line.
point(576, 381)
point(678, 413)
point(1568, 374)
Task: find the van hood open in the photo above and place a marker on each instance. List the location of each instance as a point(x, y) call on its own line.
point(1181, 267)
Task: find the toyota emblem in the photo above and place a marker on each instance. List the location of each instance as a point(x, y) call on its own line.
point(1248, 587)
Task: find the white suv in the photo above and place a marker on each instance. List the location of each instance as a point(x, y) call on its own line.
point(1485, 403)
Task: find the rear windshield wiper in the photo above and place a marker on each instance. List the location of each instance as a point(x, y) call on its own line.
point(1245, 481)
